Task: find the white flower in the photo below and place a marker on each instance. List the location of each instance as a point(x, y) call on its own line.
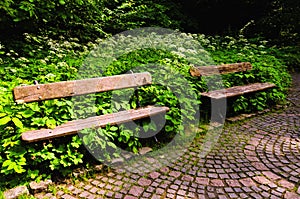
point(62, 64)
point(60, 56)
point(43, 61)
point(23, 59)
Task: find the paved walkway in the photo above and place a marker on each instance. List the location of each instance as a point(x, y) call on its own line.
point(258, 158)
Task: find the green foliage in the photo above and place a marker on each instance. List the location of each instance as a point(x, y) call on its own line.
point(166, 89)
point(290, 55)
point(90, 19)
point(266, 68)
point(44, 60)
point(281, 23)
point(48, 60)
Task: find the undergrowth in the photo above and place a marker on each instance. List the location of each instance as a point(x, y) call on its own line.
point(47, 60)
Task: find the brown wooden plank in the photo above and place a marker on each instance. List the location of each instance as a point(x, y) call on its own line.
point(79, 87)
point(75, 126)
point(237, 90)
point(220, 69)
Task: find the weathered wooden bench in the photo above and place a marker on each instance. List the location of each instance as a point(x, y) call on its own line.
point(40, 92)
point(200, 71)
point(217, 97)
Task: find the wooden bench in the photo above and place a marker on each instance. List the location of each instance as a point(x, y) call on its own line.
point(200, 71)
point(40, 92)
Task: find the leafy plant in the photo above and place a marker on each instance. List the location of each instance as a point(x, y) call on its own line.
point(45, 59)
point(266, 68)
point(91, 19)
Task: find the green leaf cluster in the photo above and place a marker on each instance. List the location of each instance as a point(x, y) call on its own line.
point(91, 19)
point(50, 60)
point(267, 67)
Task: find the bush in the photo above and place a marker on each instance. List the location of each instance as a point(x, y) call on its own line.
point(266, 68)
point(43, 60)
point(91, 19)
point(290, 55)
point(48, 60)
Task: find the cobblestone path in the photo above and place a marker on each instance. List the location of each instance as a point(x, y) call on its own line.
point(257, 158)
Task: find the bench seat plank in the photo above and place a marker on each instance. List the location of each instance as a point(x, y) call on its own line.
point(55, 90)
point(73, 127)
point(237, 90)
point(199, 71)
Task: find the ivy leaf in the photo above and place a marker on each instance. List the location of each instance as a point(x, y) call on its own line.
point(19, 169)
point(152, 126)
point(11, 166)
point(112, 145)
point(6, 163)
point(133, 104)
point(35, 107)
point(62, 2)
point(135, 150)
point(7, 110)
point(2, 114)
point(75, 145)
point(168, 117)
point(5, 120)
point(113, 128)
point(51, 123)
point(60, 103)
point(146, 127)
point(64, 162)
point(38, 121)
point(33, 174)
point(17, 122)
point(27, 113)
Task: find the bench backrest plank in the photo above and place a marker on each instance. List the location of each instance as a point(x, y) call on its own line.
point(55, 90)
point(220, 69)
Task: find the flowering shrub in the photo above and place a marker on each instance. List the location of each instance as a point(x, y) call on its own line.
point(91, 19)
point(266, 68)
point(50, 60)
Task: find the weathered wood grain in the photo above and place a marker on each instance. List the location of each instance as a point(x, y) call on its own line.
point(237, 90)
point(199, 71)
point(55, 90)
point(73, 127)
